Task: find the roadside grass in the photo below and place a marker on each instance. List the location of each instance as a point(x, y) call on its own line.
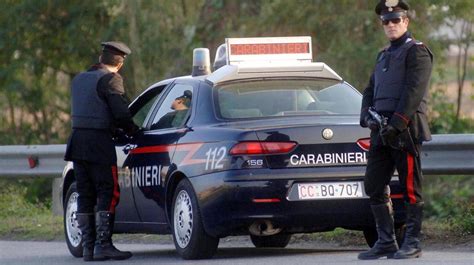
point(21, 219)
point(449, 218)
point(450, 203)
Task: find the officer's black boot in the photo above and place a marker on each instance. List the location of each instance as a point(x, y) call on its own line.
point(411, 244)
point(87, 226)
point(386, 245)
point(104, 249)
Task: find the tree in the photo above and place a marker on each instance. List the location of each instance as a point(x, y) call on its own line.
point(460, 20)
point(43, 44)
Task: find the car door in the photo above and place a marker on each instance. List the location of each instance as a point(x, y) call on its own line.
point(150, 159)
point(126, 211)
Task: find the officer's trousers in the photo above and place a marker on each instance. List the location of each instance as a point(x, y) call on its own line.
point(381, 164)
point(97, 184)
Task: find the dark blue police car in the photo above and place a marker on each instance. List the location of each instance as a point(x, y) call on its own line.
point(267, 145)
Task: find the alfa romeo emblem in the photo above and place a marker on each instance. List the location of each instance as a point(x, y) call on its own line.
point(328, 134)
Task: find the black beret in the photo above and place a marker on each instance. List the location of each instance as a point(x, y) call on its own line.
point(116, 47)
point(391, 6)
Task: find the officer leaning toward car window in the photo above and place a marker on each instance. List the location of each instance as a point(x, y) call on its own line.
point(98, 110)
point(398, 90)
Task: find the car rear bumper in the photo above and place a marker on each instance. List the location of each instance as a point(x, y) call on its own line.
point(228, 207)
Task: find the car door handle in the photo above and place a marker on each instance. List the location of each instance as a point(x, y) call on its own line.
point(127, 148)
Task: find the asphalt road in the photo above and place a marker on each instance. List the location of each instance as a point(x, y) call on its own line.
point(27, 252)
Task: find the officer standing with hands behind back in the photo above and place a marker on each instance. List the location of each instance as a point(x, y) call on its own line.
point(397, 90)
point(98, 110)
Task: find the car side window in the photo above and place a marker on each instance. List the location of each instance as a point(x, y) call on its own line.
point(174, 109)
point(140, 108)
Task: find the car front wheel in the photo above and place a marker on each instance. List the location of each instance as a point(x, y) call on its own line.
point(190, 239)
point(71, 230)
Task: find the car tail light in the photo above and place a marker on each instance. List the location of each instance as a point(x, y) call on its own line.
point(262, 148)
point(364, 143)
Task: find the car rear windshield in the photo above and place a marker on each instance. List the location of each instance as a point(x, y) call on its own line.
point(272, 98)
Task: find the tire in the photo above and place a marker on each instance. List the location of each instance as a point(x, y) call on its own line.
point(275, 241)
point(71, 231)
point(190, 239)
point(371, 235)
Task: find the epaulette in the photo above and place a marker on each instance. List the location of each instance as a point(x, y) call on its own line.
point(381, 52)
point(417, 42)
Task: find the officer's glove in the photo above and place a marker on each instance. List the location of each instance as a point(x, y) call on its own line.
point(117, 133)
point(371, 123)
point(389, 134)
point(133, 132)
point(132, 129)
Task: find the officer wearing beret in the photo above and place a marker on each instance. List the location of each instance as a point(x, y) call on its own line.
point(98, 110)
point(397, 90)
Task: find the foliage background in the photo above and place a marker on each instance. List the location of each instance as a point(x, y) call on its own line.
point(44, 43)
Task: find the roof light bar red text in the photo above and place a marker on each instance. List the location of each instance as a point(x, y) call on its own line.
point(269, 48)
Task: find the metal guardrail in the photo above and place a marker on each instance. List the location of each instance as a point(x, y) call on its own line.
point(445, 154)
point(450, 154)
point(32, 160)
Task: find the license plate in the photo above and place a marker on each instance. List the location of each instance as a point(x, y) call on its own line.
point(330, 190)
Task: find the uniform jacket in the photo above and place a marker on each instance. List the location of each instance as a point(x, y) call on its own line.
point(398, 87)
point(96, 145)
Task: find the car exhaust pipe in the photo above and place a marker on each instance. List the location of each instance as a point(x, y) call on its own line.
point(263, 228)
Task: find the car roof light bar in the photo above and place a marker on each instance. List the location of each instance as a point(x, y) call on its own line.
point(269, 50)
point(238, 72)
point(249, 58)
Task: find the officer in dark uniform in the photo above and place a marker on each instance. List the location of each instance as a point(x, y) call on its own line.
point(397, 90)
point(98, 110)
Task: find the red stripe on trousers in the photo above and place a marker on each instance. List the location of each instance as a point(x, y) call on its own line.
point(116, 192)
point(410, 181)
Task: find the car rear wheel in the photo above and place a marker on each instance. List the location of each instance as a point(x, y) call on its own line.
point(190, 239)
point(275, 241)
point(371, 235)
point(71, 230)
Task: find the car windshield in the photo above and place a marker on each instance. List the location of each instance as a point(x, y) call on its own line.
point(270, 98)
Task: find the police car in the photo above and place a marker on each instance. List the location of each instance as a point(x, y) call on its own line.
point(267, 145)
